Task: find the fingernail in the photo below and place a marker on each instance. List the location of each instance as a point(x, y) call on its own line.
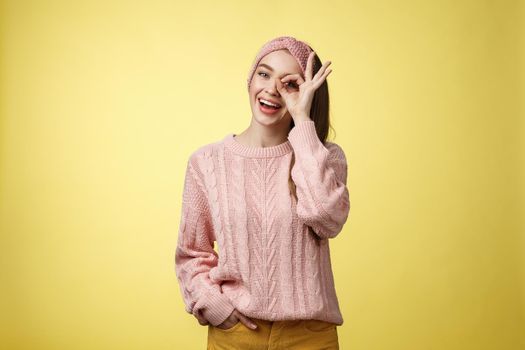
point(253, 326)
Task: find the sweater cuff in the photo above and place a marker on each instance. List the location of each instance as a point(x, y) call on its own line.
point(304, 136)
point(220, 307)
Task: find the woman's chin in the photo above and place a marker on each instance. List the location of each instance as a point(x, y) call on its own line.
point(266, 119)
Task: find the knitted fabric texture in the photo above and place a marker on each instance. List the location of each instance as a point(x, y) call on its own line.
point(273, 259)
point(299, 49)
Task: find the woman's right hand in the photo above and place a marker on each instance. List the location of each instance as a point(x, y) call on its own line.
point(235, 317)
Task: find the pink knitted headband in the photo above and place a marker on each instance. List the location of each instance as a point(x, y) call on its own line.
point(299, 49)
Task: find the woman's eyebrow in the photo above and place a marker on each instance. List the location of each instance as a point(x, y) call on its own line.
point(267, 66)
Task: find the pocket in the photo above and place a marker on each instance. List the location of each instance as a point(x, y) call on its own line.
point(318, 326)
point(235, 326)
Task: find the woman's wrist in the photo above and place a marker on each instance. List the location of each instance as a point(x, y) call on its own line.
point(301, 117)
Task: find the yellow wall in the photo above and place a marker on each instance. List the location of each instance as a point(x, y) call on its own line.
point(101, 103)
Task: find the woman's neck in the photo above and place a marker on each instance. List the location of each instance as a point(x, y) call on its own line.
point(262, 136)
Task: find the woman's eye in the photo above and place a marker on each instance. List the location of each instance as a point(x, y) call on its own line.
point(292, 85)
point(262, 73)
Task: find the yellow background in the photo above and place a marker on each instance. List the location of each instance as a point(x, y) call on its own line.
point(102, 102)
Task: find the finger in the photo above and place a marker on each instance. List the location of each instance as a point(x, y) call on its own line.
point(321, 70)
point(280, 88)
point(309, 66)
point(201, 320)
point(318, 83)
point(291, 77)
point(249, 323)
point(227, 323)
point(294, 77)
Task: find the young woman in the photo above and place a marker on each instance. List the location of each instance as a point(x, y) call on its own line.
point(272, 197)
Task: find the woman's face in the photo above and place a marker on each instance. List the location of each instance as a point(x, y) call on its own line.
point(275, 65)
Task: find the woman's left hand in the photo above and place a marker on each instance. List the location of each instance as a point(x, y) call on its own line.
point(299, 92)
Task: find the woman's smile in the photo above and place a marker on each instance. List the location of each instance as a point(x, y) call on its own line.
point(268, 107)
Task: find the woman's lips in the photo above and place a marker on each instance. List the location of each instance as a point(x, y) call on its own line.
point(267, 110)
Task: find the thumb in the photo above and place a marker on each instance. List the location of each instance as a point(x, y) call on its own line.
point(281, 88)
point(249, 323)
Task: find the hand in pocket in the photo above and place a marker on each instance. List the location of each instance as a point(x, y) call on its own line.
point(236, 317)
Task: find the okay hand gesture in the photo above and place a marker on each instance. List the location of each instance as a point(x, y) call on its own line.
point(299, 93)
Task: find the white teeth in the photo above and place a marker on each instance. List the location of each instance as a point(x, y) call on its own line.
point(268, 103)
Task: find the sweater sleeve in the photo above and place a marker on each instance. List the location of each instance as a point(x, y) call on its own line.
point(320, 177)
point(195, 256)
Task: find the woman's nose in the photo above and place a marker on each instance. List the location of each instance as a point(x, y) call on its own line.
point(272, 87)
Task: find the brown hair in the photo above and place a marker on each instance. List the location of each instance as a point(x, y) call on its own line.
point(319, 113)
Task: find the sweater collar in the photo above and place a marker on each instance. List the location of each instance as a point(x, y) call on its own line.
point(257, 152)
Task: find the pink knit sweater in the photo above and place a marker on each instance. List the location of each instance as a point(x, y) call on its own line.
point(273, 259)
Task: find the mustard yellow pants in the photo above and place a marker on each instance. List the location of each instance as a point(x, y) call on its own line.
point(274, 335)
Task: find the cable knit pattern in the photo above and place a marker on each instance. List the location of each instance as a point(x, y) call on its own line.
point(273, 259)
